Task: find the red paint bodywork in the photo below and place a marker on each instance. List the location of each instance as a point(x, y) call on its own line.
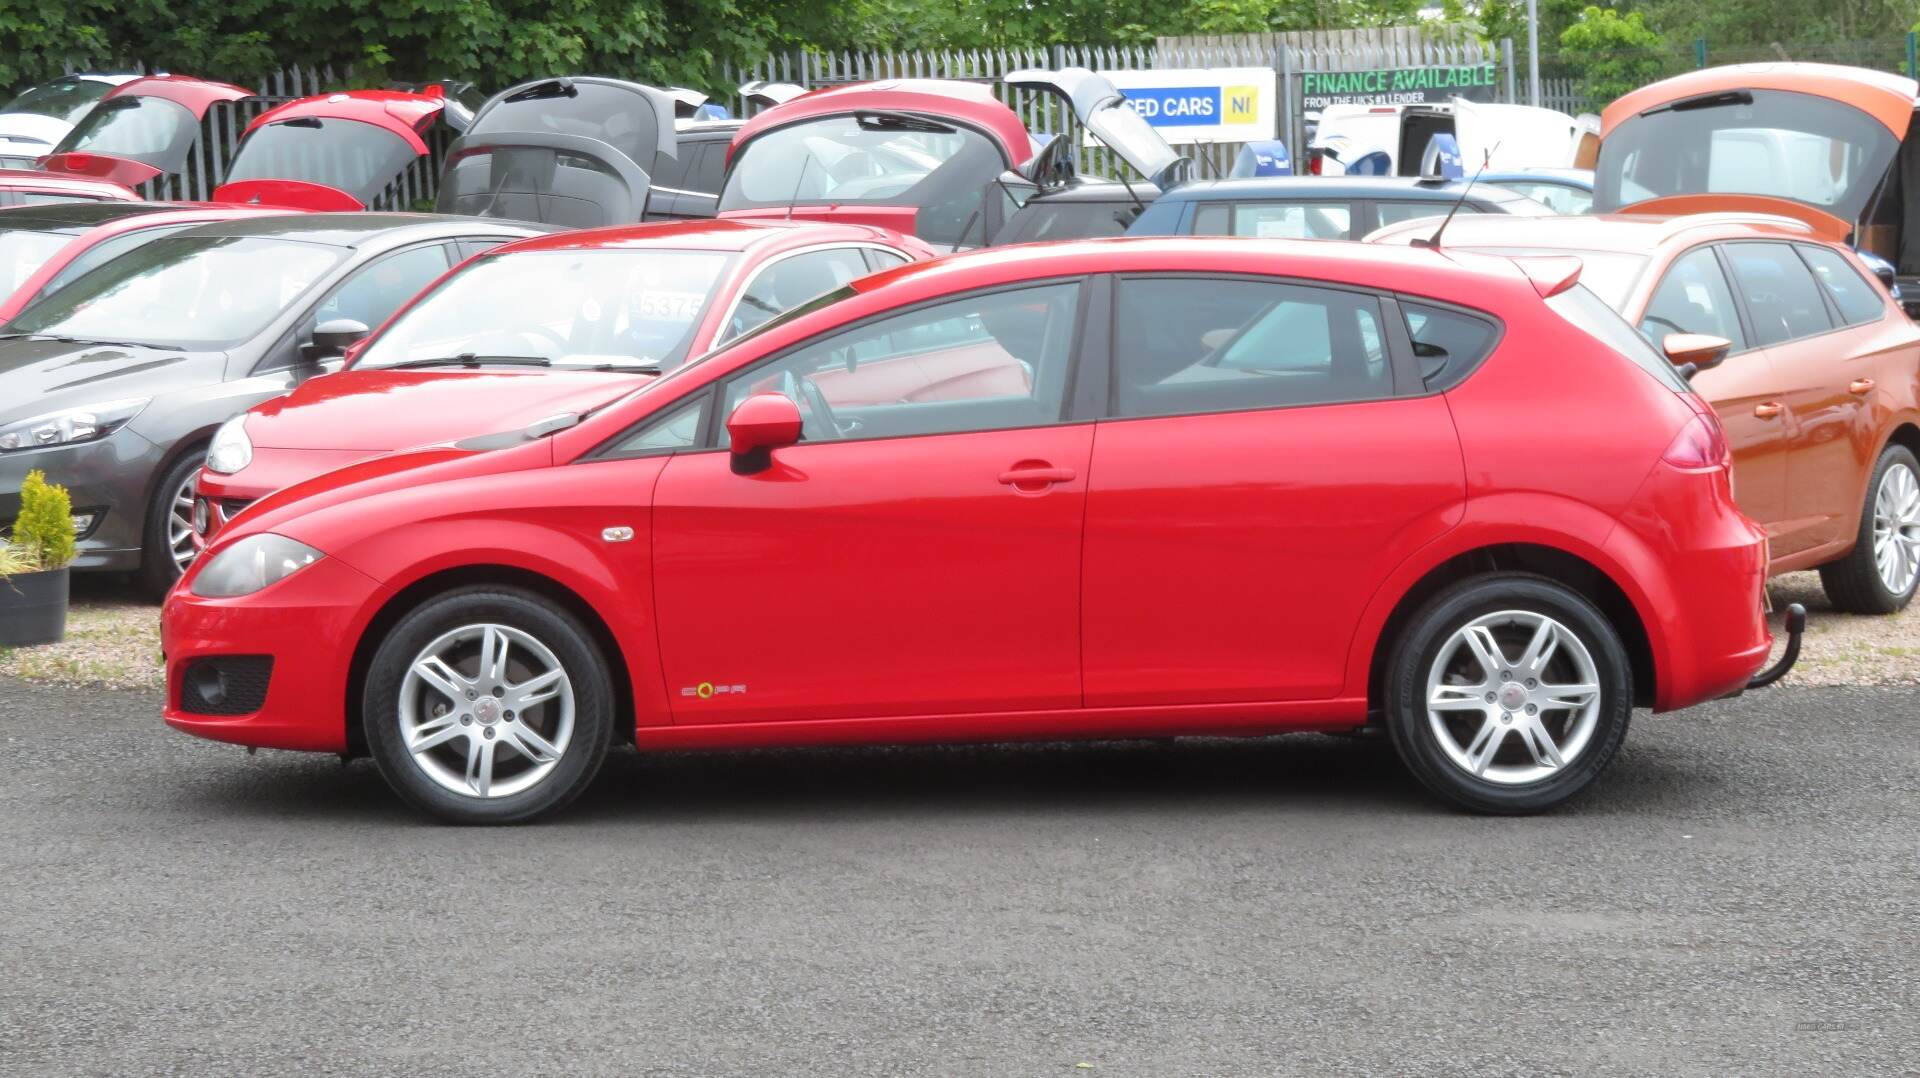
point(294, 194)
point(194, 95)
point(11, 304)
point(404, 114)
point(78, 188)
point(354, 414)
point(1222, 573)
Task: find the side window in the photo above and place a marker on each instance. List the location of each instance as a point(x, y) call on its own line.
point(467, 248)
point(1447, 343)
point(376, 290)
point(1392, 213)
point(1294, 220)
point(1556, 197)
point(672, 171)
point(1858, 301)
point(878, 260)
point(678, 429)
point(1185, 345)
point(789, 282)
point(1782, 301)
point(984, 362)
point(707, 173)
point(1212, 219)
point(106, 251)
point(1693, 298)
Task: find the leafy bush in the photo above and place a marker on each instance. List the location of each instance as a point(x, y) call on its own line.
point(43, 533)
point(1617, 53)
point(13, 562)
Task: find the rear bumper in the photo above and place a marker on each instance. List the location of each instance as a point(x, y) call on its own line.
point(306, 626)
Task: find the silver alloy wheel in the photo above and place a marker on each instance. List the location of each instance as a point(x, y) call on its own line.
point(478, 688)
point(1896, 529)
point(1518, 673)
point(180, 523)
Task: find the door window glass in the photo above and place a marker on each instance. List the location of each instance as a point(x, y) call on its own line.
point(1392, 213)
point(1556, 197)
point(1210, 345)
point(1782, 301)
point(1858, 301)
point(1447, 343)
point(377, 290)
point(786, 284)
point(982, 362)
point(678, 429)
point(1693, 298)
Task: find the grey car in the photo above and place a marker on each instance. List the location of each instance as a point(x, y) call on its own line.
point(114, 384)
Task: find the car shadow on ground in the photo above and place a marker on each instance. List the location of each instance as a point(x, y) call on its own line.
point(1298, 774)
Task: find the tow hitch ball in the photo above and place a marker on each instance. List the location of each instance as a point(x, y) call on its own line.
point(1796, 624)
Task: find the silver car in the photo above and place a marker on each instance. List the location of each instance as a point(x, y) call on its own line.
point(115, 384)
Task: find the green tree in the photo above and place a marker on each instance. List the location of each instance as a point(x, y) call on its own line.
point(1615, 53)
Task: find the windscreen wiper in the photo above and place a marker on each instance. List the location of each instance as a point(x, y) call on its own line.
point(897, 121)
point(60, 339)
point(470, 359)
point(1704, 101)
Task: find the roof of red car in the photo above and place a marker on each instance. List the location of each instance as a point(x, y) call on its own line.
point(397, 111)
point(965, 102)
point(701, 235)
point(30, 179)
point(195, 95)
point(1886, 97)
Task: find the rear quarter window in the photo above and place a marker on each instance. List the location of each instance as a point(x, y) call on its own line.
point(1448, 343)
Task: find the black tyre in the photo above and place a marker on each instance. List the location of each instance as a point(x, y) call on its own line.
point(166, 547)
point(1881, 572)
point(488, 705)
point(1508, 693)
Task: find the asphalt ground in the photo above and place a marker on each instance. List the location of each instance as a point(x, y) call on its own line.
point(1737, 895)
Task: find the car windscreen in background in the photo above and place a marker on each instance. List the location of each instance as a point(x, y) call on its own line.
point(1750, 142)
point(66, 99)
point(348, 155)
point(22, 253)
point(149, 130)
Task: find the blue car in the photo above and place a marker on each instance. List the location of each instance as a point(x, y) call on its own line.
point(1317, 207)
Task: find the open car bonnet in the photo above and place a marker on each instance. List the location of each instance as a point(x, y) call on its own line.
point(1755, 137)
point(1101, 108)
point(568, 151)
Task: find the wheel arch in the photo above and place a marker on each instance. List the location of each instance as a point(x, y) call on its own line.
point(1580, 574)
point(408, 598)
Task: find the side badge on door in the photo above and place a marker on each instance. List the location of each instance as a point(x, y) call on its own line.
point(616, 535)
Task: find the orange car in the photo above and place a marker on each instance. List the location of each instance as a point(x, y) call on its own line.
point(1814, 371)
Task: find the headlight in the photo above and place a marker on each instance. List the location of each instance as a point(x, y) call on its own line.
point(252, 564)
point(231, 449)
point(70, 426)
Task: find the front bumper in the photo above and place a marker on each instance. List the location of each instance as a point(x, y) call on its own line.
point(111, 477)
point(222, 497)
point(303, 629)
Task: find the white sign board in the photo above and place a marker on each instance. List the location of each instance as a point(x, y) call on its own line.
point(1189, 105)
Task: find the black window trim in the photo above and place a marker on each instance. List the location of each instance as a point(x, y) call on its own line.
point(1407, 384)
point(1740, 298)
point(1726, 278)
point(710, 423)
point(1833, 305)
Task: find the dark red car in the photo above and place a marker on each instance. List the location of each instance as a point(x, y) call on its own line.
point(1238, 488)
point(536, 328)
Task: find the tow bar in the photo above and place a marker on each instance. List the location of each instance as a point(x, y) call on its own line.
point(1796, 624)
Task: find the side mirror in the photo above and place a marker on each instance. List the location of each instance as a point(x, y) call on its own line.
point(1695, 350)
point(761, 424)
point(332, 338)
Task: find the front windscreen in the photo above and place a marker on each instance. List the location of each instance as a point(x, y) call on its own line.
point(1749, 142)
point(145, 129)
point(201, 292)
point(870, 159)
point(570, 308)
point(22, 253)
point(65, 100)
point(348, 155)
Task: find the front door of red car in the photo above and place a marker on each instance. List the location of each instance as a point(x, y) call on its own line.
point(912, 555)
point(1257, 481)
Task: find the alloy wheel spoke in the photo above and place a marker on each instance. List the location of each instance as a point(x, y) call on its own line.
point(1540, 649)
point(1459, 698)
point(493, 657)
point(1485, 745)
point(445, 679)
point(1487, 650)
point(1534, 735)
point(435, 733)
point(1561, 697)
point(480, 765)
point(530, 744)
point(535, 690)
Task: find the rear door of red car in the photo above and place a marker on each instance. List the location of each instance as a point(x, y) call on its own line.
point(915, 554)
point(1269, 458)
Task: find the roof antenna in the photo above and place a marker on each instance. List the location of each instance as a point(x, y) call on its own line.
point(1433, 241)
point(797, 181)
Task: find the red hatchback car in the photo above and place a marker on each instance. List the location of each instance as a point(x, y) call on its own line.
point(1240, 488)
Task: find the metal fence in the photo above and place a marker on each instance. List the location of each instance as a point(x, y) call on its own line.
point(1042, 112)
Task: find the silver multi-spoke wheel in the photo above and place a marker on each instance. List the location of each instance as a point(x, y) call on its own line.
point(1513, 697)
point(180, 523)
point(486, 710)
point(1896, 529)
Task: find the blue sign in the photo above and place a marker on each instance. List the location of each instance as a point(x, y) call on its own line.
point(1177, 106)
point(1265, 158)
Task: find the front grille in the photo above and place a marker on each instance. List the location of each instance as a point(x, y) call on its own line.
point(227, 685)
point(231, 507)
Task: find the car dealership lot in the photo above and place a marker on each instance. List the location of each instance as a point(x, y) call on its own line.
point(1738, 896)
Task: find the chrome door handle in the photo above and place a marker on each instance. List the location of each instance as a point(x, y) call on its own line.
point(1769, 410)
point(1860, 387)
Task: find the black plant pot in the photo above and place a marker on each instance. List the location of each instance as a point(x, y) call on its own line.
point(33, 608)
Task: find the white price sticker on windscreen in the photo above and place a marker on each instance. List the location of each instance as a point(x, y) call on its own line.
point(670, 306)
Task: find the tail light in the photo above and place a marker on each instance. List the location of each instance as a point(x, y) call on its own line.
point(1313, 162)
point(1700, 444)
